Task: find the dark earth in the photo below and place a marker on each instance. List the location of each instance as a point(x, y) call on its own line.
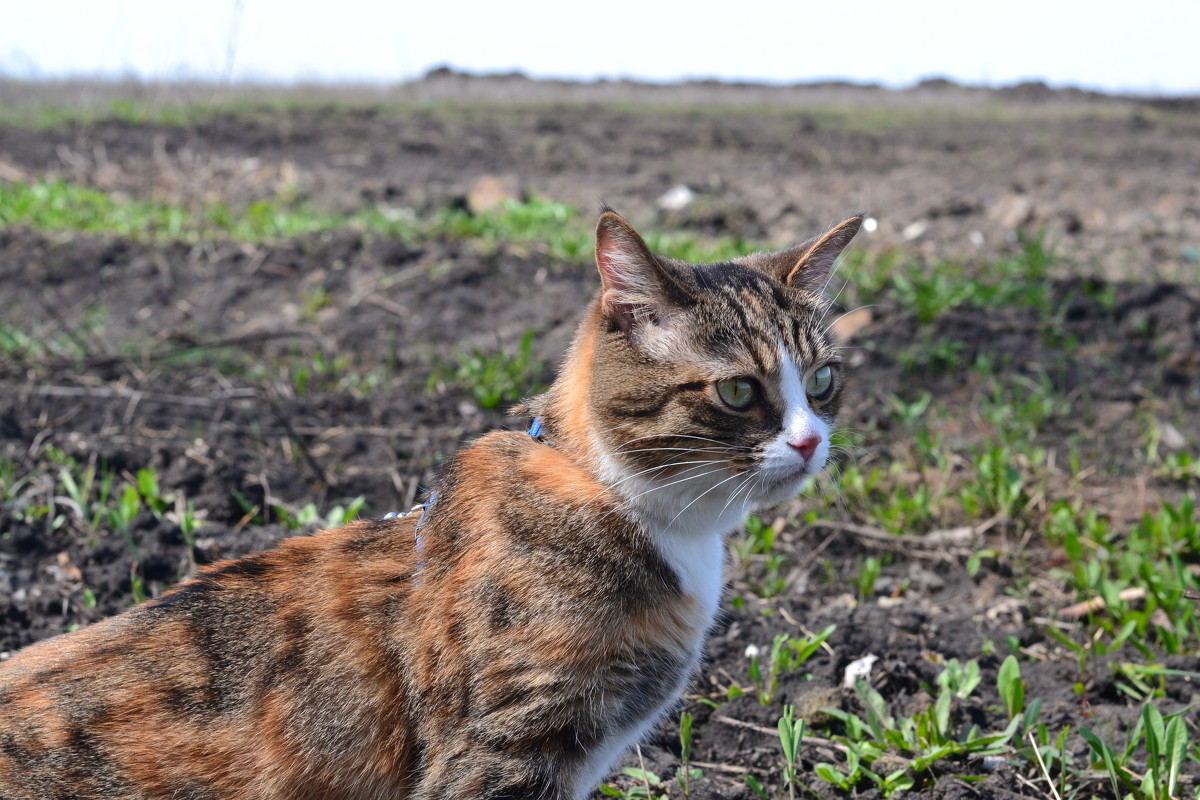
point(180, 356)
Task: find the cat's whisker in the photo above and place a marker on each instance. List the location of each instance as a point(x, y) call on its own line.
point(687, 466)
point(670, 450)
point(833, 300)
point(829, 328)
point(750, 476)
point(616, 427)
point(698, 450)
point(673, 436)
point(673, 483)
point(851, 454)
point(660, 487)
point(699, 496)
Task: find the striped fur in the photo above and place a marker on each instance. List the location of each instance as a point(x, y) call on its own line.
point(555, 609)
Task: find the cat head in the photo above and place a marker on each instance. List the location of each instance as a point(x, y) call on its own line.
point(707, 386)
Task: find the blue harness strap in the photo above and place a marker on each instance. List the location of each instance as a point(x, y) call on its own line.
point(424, 509)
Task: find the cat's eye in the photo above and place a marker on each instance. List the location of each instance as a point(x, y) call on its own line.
point(820, 382)
point(738, 393)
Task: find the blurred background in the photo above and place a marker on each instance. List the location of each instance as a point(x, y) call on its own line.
point(1108, 45)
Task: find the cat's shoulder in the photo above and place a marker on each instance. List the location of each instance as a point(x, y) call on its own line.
point(506, 463)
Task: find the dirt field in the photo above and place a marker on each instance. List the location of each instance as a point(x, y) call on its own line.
point(185, 357)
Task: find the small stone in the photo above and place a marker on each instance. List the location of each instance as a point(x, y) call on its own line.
point(858, 669)
point(489, 191)
point(1012, 211)
point(1171, 438)
point(677, 198)
point(915, 230)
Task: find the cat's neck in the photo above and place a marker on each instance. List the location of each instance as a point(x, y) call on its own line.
point(686, 521)
point(688, 508)
point(565, 409)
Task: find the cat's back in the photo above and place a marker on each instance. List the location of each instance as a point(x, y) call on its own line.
point(234, 684)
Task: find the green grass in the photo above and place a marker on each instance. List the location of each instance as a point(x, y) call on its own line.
point(309, 515)
point(891, 752)
point(553, 228)
point(63, 495)
point(58, 205)
point(786, 655)
point(38, 341)
point(756, 556)
point(493, 379)
point(895, 752)
point(317, 371)
point(929, 291)
point(1156, 558)
point(1139, 580)
point(60, 104)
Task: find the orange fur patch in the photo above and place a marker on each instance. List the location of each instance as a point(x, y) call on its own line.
point(571, 400)
point(551, 471)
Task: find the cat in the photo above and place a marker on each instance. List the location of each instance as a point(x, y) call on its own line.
point(518, 632)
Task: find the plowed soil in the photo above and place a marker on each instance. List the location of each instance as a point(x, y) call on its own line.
point(177, 348)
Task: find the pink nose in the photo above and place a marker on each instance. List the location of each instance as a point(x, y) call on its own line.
point(807, 446)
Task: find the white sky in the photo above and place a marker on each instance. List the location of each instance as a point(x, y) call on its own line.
point(1148, 46)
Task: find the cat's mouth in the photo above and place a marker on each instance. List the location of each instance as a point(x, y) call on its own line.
point(785, 480)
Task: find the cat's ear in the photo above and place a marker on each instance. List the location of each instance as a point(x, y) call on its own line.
point(637, 292)
point(808, 265)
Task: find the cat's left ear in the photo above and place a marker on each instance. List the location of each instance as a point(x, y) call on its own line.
point(808, 265)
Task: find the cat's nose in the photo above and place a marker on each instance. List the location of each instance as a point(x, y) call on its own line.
point(807, 446)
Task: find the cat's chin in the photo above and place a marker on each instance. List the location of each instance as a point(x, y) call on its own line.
point(785, 486)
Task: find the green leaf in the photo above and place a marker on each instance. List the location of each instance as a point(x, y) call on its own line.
point(756, 787)
point(1152, 719)
point(804, 648)
point(1032, 712)
point(898, 781)
point(878, 719)
point(1106, 757)
point(938, 753)
point(995, 738)
point(791, 732)
point(830, 774)
point(1012, 688)
point(642, 775)
point(147, 483)
point(131, 501)
point(1175, 751)
point(942, 714)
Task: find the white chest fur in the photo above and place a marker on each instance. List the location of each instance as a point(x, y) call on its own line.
point(691, 542)
point(698, 562)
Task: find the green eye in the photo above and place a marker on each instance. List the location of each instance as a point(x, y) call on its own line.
point(738, 393)
point(820, 382)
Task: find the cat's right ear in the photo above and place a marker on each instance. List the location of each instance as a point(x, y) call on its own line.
point(637, 293)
